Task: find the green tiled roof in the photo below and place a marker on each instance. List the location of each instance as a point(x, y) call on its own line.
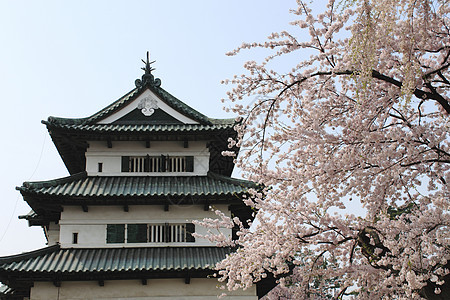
point(106, 260)
point(138, 128)
point(109, 109)
point(81, 185)
point(86, 123)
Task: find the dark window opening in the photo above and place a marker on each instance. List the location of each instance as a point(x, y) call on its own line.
point(190, 229)
point(137, 233)
point(115, 233)
point(75, 238)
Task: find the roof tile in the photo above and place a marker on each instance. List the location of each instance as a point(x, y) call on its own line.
point(55, 259)
point(81, 185)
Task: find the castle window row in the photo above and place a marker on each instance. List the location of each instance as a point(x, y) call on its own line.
point(163, 163)
point(150, 233)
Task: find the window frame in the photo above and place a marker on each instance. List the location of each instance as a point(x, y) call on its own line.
point(74, 238)
point(115, 236)
point(156, 233)
point(157, 164)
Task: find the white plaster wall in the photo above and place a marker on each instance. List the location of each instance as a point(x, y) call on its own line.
point(98, 152)
point(52, 234)
point(88, 235)
point(161, 105)
point(156, 289)
point(91, 225)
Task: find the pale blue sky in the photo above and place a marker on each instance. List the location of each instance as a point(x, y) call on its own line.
point(72, 58)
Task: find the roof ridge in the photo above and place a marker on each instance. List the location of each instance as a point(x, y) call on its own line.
point(30, 254)
point(140, 247)
point(52, 182)
point(67, 121)
point(113, 106)
point(99, 114)
point(225, 121)
point(142, 127)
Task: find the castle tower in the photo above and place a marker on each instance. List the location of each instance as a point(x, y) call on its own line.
point(120, 226)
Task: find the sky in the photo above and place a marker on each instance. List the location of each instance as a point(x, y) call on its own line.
point(73, 58)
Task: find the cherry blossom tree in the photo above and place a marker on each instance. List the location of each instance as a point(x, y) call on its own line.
point(350, 147)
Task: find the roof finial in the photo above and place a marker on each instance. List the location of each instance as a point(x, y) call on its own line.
point(148, 69)
point(147, 78)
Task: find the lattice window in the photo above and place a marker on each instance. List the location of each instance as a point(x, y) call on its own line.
point(163, 163)
point(150, 233)
point(165, 233)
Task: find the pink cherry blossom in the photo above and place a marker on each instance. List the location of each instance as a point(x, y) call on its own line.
point(351, 148)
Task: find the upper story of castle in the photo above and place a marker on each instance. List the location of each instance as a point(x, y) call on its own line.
point(146, 132)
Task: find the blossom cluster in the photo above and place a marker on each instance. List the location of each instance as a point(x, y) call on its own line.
point(352, 146)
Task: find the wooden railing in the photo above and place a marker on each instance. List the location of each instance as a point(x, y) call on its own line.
point(162, 163)
point(175, 233)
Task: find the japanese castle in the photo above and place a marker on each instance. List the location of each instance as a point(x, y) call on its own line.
point(120, 226)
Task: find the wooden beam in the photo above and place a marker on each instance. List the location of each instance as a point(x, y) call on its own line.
point(206, 206)
point(144, 281)
point(85, 208)
point(57, 283)
point(101, 283)
point(126, 208)
point(147, 143)
point(187, 280)
point(109, 143)
point(186, 144)
point(166, 207)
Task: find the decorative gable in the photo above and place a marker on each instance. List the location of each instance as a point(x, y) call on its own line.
point(157, 117)
point(147, 108)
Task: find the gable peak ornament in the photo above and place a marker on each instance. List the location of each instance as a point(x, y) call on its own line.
point(147, 106)
point(147, 78)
